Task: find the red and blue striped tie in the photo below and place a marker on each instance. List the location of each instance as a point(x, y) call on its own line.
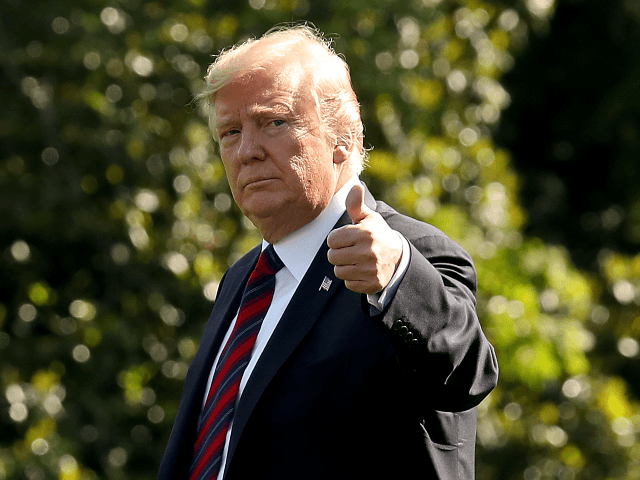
point(217, 414)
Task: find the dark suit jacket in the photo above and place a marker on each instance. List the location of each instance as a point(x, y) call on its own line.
point(338, 394)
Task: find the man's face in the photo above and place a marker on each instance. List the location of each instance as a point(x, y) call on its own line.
point(279, 163)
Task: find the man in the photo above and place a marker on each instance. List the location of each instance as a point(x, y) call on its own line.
point(369, 359)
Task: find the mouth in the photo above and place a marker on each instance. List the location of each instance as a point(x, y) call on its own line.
point(258, 182)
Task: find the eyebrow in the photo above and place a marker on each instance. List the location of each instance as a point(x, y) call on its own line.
point(279, 106)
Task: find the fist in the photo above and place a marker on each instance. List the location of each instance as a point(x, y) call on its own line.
point(366, 254)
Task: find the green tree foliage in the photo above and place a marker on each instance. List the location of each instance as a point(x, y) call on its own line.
point(117, 225)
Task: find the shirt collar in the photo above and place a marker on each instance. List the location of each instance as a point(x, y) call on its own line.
point(298, 249)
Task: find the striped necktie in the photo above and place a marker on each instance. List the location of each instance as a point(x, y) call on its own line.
point(217, 414)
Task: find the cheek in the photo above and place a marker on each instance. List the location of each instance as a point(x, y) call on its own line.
point(312, 180)
point(232, 175)
point(301, 176)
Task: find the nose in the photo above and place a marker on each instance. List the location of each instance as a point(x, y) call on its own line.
point(251, 148)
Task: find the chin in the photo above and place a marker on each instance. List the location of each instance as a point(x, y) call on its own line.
point(267, 203)
point(261, 213)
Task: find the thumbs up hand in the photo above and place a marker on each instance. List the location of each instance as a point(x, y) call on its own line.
point(367, 253)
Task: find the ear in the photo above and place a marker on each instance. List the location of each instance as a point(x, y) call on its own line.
point(340, 154)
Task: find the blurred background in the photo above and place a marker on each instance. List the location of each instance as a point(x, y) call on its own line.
point(514, 126)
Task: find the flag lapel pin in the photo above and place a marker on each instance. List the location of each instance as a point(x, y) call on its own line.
point(326, 283)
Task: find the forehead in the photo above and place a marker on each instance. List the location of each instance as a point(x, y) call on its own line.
point(263, 90)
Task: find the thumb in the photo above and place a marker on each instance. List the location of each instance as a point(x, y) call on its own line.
point(356, 208)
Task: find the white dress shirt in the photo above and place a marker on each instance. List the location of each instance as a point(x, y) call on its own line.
point(297, 250)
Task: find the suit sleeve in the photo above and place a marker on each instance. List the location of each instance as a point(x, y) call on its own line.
point(435, 330)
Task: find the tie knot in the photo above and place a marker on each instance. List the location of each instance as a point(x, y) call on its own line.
point(269, 263)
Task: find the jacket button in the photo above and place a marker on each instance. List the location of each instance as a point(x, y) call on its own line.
point(413, 343)
point(398, 324)
point(408, 337)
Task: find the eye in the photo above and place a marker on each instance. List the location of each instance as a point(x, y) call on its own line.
point(278, 122)
point(228, 133)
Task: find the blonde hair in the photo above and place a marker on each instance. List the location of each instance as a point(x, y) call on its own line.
point(326, 74)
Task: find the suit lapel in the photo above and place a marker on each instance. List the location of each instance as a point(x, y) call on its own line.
point(228, 303)
point(293, 326)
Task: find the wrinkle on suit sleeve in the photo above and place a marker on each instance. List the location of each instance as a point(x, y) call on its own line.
point(433, 324)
